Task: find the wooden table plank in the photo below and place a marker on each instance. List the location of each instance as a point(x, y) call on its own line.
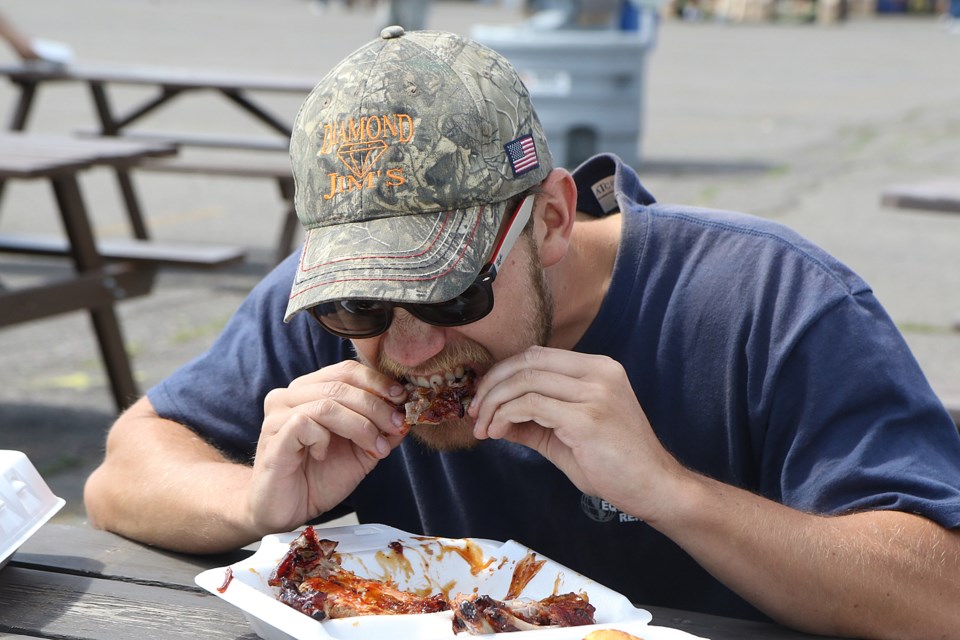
point(87, 551)
point(37, 155)
point(159, 76)
point(720, 628)
point(14, 144)
point(92, 289)
point(24, 166)
point(185, 254)
point(74, 606)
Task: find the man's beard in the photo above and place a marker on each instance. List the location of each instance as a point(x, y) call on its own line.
point(535, 326)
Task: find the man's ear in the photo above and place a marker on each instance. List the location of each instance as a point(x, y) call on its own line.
point(556, 210)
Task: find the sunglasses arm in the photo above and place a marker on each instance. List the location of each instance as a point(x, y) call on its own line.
point(520, 218)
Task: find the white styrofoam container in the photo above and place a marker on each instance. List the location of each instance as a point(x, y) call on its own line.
point(26, 502)
point(427, 565)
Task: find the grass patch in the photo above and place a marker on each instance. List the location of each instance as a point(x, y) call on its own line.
point(66, 462)
point(920, 327)
point(195, 332)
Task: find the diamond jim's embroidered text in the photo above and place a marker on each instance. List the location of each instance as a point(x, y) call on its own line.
point(359, 143)
point(394, 126)
point(340, 183)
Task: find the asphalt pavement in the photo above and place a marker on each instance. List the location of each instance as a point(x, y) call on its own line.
point(802, 123)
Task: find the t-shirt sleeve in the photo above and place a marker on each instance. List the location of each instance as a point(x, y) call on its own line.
point(855, 424)
point(220, 394)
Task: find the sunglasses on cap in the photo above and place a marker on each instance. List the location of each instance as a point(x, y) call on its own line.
point(359, 319)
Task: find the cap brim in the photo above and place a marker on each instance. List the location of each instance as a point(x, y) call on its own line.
point(422, 258)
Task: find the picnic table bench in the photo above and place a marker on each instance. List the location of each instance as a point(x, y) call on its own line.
point(168, 84)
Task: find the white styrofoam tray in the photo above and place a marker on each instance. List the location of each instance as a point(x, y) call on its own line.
point(428, 565)
point(26, 502)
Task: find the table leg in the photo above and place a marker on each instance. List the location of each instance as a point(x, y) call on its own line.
point(115, 357)
point(86, 257)
point(256, 111)
point(19, 120)
point(130, 200)
point(27, 91)
point(109, 126)
point(288, 229)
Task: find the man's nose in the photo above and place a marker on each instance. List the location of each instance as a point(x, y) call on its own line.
point(410, 341)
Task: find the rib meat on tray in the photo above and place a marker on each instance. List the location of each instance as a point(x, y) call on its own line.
point(312, 581)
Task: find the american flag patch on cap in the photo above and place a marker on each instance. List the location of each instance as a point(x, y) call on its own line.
point(523, 154)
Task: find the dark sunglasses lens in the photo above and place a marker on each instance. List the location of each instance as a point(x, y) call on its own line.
point(353, 318)
point(469, 306)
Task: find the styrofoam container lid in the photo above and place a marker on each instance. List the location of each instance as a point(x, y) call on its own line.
point(428, 565)
point(53, 52)
point(26, 502)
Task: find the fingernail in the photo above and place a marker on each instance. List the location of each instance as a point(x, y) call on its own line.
point(397, 419)
point(382, 445)
point(396, 391)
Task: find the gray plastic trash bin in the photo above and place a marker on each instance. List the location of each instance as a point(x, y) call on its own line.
point(587, 86)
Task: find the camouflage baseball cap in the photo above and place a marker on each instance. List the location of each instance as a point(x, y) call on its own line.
point(404, 156)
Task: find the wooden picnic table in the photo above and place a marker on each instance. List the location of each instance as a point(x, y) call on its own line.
point(167, 84)
point(72, 582)
point(100, 278)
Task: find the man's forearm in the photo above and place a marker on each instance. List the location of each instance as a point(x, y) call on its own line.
point(873, 574)
point(18, 40)
point(161, 484)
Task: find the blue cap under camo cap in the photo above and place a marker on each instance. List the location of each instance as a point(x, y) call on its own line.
point(404, 157)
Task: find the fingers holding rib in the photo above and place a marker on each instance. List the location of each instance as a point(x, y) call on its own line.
point(547, 398)
point(550, 382)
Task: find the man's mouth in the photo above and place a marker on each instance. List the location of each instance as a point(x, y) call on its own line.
point(439, 397)
point(439, 380)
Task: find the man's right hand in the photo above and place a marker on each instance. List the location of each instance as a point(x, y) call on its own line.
point(162, 484)
point(320, 437)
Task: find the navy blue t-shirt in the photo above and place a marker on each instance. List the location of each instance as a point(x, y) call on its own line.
point(760, 360)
